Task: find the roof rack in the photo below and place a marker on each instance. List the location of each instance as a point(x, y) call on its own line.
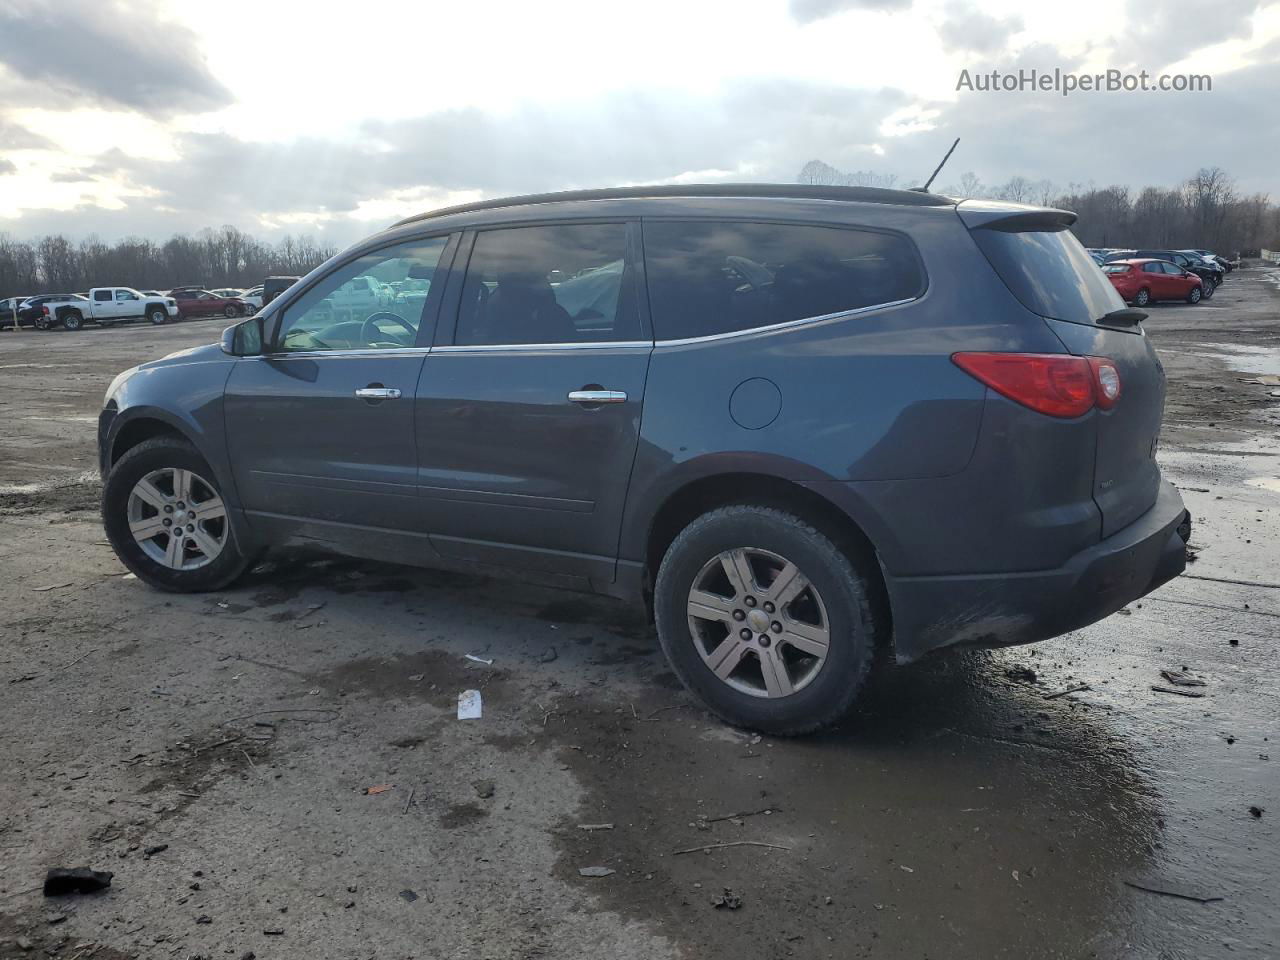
point(798, 191)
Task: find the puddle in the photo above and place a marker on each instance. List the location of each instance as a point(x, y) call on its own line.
point(1266, 483)
point(1247, 359)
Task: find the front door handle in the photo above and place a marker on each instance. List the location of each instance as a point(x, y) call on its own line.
point(378, 393)
point(590, 398)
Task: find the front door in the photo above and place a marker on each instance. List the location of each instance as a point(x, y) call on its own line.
point(321, 427)
point(528, 416)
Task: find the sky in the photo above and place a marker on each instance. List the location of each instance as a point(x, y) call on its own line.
point(153, 117)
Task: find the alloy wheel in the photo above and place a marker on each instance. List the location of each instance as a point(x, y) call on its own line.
point(758, 622)
point(177, 518)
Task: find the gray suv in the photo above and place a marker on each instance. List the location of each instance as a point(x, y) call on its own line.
point(808, 426)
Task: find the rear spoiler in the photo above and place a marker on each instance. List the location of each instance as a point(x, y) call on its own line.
point(1012, 217)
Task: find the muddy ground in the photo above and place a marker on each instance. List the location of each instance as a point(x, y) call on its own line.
point(967, 810)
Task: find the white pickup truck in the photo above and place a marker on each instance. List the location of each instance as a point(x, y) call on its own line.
point(108, 305)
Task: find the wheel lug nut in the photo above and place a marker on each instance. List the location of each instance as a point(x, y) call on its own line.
point(750, 601)
point(764, 640)
point(768, 607)
point(739, 615)
point(190, 528)
point(168, 508)
point(745, 634)
point(776, 627)
point(167, 522)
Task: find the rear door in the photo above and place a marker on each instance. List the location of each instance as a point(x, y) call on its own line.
point(528, 409)
point(1049, 271)
point(1157, 280)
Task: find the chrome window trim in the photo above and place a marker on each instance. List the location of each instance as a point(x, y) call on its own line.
point(786, 325)
point(353, 352)
point(491, 347)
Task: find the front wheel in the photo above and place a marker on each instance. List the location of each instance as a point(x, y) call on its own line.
point(158, 315)
point(1208, 289)
point(1194, 295)
point(231, 312)
point(167, 521)
point(765, 619)
point(41, 322)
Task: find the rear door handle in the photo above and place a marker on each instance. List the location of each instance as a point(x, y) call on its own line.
point(590, 398)
point(378, 393)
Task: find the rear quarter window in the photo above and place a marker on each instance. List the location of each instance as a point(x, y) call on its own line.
point(714, 277)
point(1050, 273)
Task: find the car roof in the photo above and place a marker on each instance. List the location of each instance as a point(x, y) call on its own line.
point(781, 191)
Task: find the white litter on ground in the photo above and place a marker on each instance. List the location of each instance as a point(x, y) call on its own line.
point(469, 705)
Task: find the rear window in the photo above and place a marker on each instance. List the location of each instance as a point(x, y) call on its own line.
point(713, 277)
point(1050, 273)
point(1116, 268)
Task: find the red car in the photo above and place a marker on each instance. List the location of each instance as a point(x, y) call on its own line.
point(1144, 281)
point(196, 302)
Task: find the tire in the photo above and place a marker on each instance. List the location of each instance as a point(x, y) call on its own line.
point(71, 320)
point(1194, 295)
point(182, 566)
point(157, 315)
point(1142, 298)
point(1208, 289)
point(41, 322)
point(231, 312)
point(811, 692)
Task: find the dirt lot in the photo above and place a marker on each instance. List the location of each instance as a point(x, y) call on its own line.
point(970, 809)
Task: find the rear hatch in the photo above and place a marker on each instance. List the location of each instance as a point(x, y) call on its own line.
point(1047, 269)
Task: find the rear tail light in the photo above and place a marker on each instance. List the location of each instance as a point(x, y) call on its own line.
point(1055, 384)
point(1106, 382)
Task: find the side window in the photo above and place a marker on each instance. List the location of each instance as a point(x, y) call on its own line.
point(102, 296)
point(123, 295)
point(712, 277)
point(566, 283)
point(1151, 268)
point(375, 302)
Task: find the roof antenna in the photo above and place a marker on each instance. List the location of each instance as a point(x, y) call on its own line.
point(938, 169)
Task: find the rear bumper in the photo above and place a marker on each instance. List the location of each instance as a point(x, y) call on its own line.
point(1010, 608)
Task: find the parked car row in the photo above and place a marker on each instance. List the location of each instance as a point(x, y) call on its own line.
point(107, 306)
point(1146, 276)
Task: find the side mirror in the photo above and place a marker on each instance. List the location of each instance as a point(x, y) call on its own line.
point(244, 339)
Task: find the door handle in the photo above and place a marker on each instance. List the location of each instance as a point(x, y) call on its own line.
point(378, 393)
point(590, 398)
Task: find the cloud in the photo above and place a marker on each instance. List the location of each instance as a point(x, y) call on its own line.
point(807, 11)
point(969, 29)
point(759, 131)
point(1169, 30)
point(7, 167)
point(112, 54)
point(14, 137)
point(71, 176)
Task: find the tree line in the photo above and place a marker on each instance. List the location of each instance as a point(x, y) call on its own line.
point(1205, 211)
point(213, 258)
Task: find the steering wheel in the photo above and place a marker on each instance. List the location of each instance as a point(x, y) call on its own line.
point(369, 329)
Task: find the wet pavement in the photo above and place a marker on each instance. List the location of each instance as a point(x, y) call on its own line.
point(977, 805)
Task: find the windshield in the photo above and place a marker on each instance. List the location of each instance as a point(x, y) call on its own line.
point(1050, 273)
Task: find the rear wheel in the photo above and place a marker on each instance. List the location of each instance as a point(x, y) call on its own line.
point(1143, 297)
point(41, 322)
point(71, 320)
point(765, 619)
point(167, 521)
point(1194, 295)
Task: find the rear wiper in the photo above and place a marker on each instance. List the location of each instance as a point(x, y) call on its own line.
point(1127, 317)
